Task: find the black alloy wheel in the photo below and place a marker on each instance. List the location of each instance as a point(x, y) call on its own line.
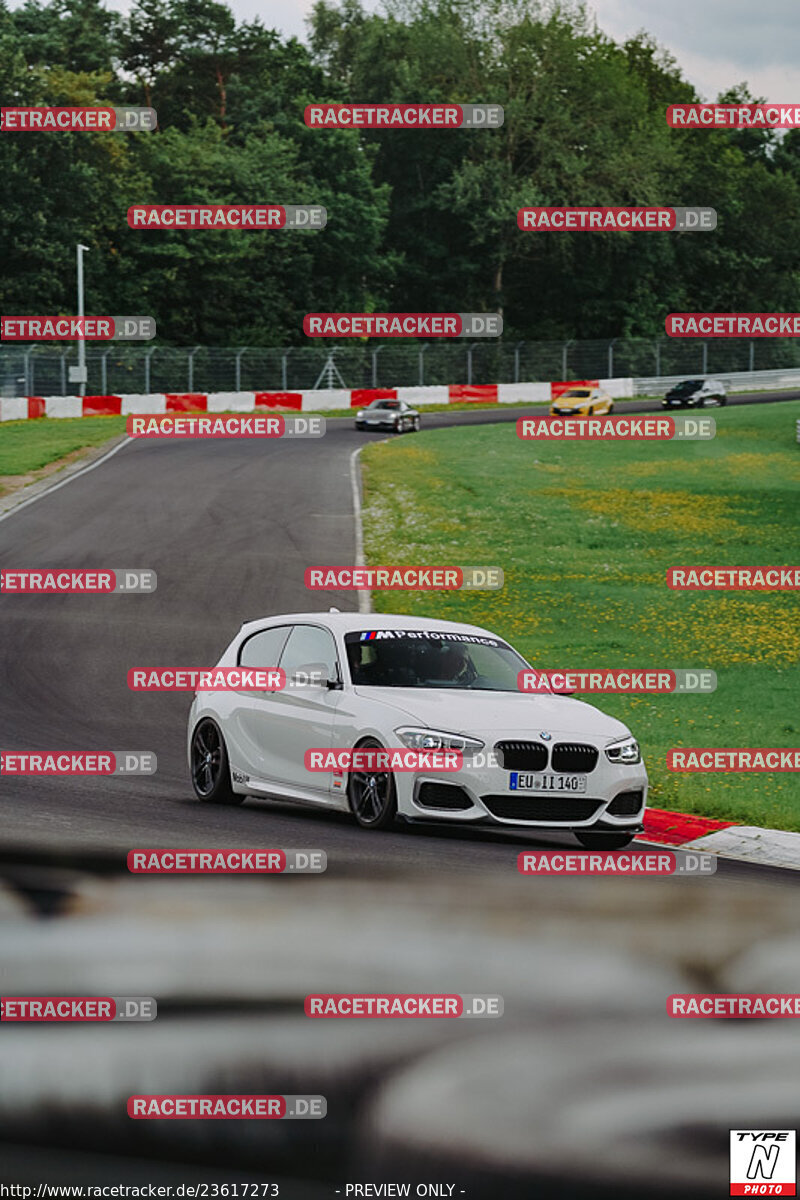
point(372, 794)
point(211, 776)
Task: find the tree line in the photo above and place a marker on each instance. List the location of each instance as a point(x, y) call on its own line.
point(417, 221)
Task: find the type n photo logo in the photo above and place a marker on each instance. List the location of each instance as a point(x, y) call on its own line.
point(763, 1162)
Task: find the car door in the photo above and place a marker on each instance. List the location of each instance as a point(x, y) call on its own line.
point(252, 743)
point(302, 715)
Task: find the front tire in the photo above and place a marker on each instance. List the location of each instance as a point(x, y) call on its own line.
point(211, 773)
point(594, 840)
point(372, 795)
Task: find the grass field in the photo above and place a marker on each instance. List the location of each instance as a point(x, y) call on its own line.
point(584, 533)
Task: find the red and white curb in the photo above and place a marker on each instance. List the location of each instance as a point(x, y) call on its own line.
point(746, 843)
point(22, 408)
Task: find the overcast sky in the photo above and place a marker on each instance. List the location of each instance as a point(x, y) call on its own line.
point(718, 43)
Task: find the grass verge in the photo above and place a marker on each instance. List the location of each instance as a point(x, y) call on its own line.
point(585, 532)
point(29, 450)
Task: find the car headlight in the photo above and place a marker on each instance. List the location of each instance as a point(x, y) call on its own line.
point(359, 415)
point(626, 751)
point(437, 739)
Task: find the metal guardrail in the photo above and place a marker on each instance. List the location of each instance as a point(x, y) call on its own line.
point(735, 381)
point(43, 370)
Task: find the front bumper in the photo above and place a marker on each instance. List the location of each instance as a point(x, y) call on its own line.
point(485, 797)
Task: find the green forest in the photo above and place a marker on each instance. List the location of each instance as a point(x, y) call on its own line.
point(417, 221)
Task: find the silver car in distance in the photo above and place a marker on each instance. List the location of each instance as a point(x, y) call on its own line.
point(354, 680)
point(388, 414)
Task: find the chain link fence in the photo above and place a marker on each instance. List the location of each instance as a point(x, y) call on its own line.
point(43, 370)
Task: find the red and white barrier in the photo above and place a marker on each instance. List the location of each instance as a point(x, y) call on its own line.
point(20, 408)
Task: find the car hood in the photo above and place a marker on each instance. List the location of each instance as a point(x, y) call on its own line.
point(480, 712)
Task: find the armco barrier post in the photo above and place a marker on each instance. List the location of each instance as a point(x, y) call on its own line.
point(375, 354)
point(190, 369)
point(147, 356)
point(422, 350)
point(239, 354)
point(517, 349)
point(470, 348)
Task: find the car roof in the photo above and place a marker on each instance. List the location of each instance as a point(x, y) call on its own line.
point(352, 622)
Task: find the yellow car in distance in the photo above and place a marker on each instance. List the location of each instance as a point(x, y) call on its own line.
point(582, 402)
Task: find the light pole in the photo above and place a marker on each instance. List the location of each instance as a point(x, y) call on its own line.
point(82, 341)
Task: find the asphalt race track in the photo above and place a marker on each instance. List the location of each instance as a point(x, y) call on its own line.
point(229, 526)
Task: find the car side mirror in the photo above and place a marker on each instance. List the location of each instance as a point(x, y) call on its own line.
point(315, 674)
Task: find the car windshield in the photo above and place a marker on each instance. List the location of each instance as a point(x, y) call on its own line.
point(432, 659)
point(576, 394)
point(688, 385)
point(385, 404)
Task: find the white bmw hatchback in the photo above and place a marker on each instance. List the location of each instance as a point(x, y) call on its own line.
point(365, 681)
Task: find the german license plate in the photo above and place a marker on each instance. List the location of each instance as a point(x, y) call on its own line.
point(519, 781)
